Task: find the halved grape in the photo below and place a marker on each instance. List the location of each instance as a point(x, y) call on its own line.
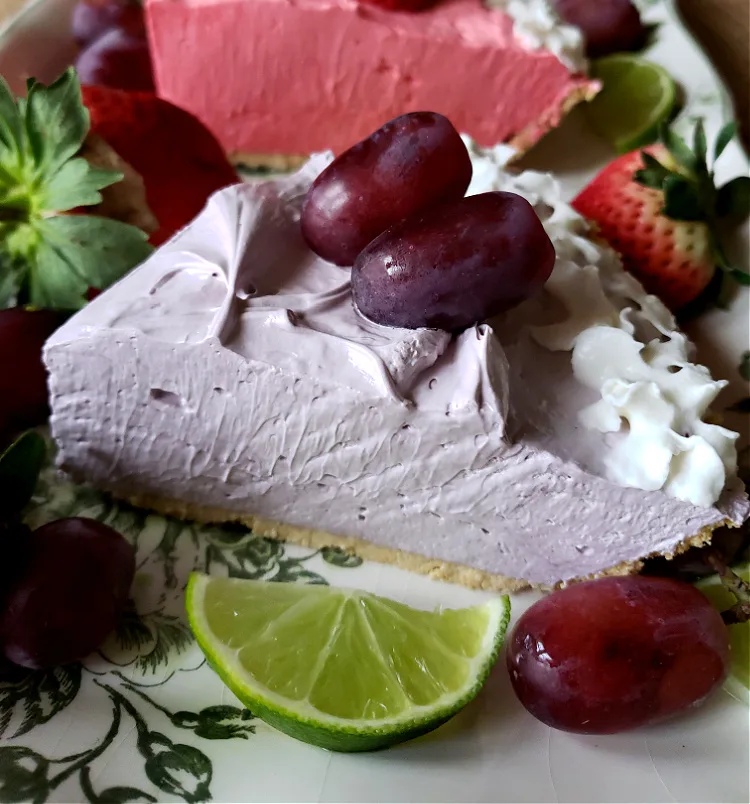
point(454, 265)
point(65, 594)
point(612, 654)
point(412, 162)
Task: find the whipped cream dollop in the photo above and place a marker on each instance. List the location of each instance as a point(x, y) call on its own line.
point(626, 347)
point(538, 25)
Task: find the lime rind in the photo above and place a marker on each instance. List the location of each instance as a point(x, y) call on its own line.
point(734, 687)
point(303, 722)
point(636, 98)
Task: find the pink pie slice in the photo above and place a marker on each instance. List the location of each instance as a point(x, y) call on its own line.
point(297, 76)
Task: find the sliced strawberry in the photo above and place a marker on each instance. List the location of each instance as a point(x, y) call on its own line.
point(180, 160)
point(659, 210)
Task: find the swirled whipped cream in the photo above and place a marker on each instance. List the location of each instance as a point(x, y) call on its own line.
point(232, 372)
point(538, 25)
point(626, 347)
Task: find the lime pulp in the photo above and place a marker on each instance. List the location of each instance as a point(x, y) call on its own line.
point(340, 668)
point(636, 97)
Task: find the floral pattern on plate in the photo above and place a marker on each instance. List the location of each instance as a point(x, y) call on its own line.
point(152, 643)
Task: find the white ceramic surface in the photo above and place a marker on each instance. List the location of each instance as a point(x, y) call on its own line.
point(139, 722)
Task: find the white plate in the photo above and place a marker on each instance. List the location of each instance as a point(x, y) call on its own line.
point(139, 721)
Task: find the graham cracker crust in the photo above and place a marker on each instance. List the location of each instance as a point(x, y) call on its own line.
point(433, 568)
point(273, 163)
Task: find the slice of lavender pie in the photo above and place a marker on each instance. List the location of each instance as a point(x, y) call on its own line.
point(231, 378)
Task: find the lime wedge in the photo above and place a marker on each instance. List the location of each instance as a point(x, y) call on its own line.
point(636, 97)
point(738, 682)
point(340, 668)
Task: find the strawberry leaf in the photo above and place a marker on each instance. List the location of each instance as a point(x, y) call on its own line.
point(57, 121)
point(653, 173)
point(726, 135)
point(37, 143)
point(678, 148)
point(681, 200)
point(10, 282)
point(700, 146)
point(76, 184)
point(733, 199)
point(741, 277)
point(727, 290)
point(11, 122)
point(54, 281)
point(55, 258)
point(89, 251)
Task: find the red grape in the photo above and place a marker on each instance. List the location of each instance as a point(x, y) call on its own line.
point(23, 378)
point(117, 59)
point(412, 162)
point(608, 26)
point(64, 598)
point(616, 653)
point(454, 265)
point(92, 18)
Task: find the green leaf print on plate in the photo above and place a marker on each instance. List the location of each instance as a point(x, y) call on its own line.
point(340, 558)
point(141, 661)
point(34, 697)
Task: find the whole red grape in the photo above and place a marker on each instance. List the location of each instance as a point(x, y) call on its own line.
point(117, 59)
point(608, 26)
point(92, 18)
point(454, 265)
point(65, 596)
point(23, 378)
point(412, 162)
point(613, 654)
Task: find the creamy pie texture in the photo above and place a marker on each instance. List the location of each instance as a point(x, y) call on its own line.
point(231, 370)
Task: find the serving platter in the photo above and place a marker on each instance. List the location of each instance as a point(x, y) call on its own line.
point(146, 720)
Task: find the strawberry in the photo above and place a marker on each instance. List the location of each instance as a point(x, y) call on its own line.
point(179, 159)
point(73, 207)
point(659, 209)
point(49, 258)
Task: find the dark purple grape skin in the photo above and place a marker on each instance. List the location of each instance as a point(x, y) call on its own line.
point(119, 60)
point(412, 162)
point(65, 597)
point(614, 654)
point(608, 26)
point(23, 378)
point(454, 265)
point(92, 18)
